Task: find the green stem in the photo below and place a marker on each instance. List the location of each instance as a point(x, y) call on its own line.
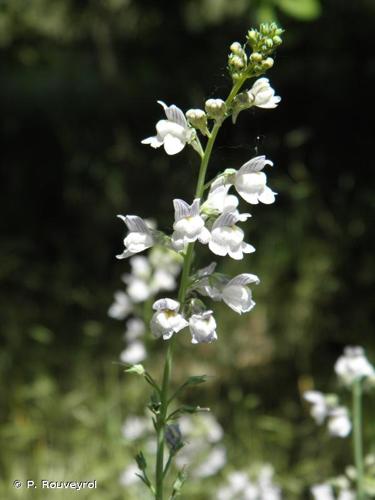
point(161, 421)
point(161, 425)
point(357, 436)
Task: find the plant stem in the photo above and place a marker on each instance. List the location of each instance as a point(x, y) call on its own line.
point(161, 421)
point(357, 436)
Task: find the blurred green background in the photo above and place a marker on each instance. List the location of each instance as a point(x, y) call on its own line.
point(79, 82)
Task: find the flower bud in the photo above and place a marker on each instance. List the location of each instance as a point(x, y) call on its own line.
point(256, 57)
point(198, 119)
point(268, 63)
point(216, 109)
point(269, 43)
point(252, 36)
point(277, 40)
point(236, 48)
point(237, 62)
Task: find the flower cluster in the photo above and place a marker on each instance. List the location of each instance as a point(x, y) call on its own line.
point(353, 365)
point(240, 486)
point(213, 223)
point(326, 407)
point(325, 491)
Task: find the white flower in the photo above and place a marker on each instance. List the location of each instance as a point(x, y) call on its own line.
point(262, 94)
point(353, 365)
point(227, 238)
point(129, 476)
point(139, 238)
point(237, 295)
point(166, 259)
point(346, 495)
point(138, 289)
point(135, 427)
point(188, 225)
point(172, 133)
point(214, 461)
point(251, 183)
point(339, 423)
point(166, 320)
point(319, 408)
point(141, 267)
point(218, 199)
point(202, 327)
point(322, 492)
point(135, 328)
point(134, 353)
point(121, 307)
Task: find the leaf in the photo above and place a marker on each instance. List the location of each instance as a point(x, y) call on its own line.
point(304, 10)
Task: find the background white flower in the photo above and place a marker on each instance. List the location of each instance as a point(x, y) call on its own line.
point(121, 307)
point(353, 365)
point(172, 133)
point(339, 423)
point(134, 353)
point(319, 408)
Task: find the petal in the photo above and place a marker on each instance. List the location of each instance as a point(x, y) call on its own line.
point(267, 196)
point(166, 303)
point(173, 145)
point(204, 236)
point(244, 279)
point(251, 198)
point(255, 165)
point(225, 219)
point(153, 142)
point(174, 114)
point(217, 249)
point(181, 209)
point(247, 248)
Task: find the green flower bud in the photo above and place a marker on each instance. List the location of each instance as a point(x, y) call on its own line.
point(237, 62)
point(216, 109)
point(277, 40)
point(269, 43)
point(198, 119)
point(236, 48)
point(252, 36)
point(256, 57)
point(268, 63)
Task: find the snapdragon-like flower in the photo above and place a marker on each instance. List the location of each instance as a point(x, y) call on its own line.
point(139, 238)
point(326, 407)
point(166, 320)
point(135, 328)
point(219, 201)
point(121, 307)
point(262, 94)
point(322, 492)
point(134, 353)
point(237, 295)
point(173, 133)
point(189, 225)
point(353, 365)
point(319, 407)
point(227, 238)
point(251, 183)
point(202, 328)
point(339, 423)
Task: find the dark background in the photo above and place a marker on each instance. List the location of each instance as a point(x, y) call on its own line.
point(78, 88)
